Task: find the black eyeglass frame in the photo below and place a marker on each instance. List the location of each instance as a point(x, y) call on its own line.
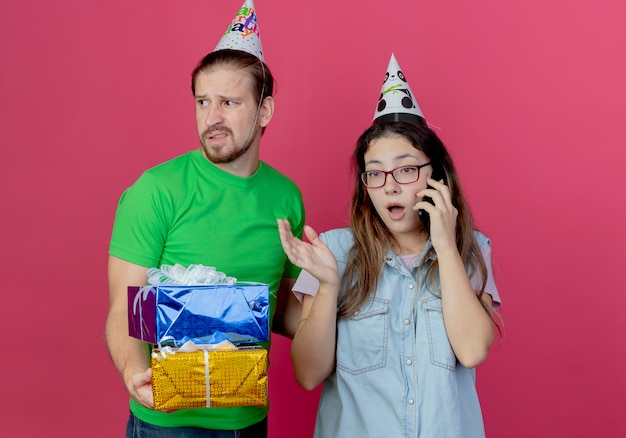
point(391, 172)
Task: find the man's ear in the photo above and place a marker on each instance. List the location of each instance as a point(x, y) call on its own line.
point(267, 111)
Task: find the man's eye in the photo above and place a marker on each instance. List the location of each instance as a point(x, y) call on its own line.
point(202, 102)
point(230, 103)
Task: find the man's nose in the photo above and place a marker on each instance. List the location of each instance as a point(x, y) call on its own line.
point(214, 115)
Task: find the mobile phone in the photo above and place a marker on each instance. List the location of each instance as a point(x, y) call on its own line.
point(438, 175)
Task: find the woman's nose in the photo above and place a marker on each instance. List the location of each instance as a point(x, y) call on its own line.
point(391, 185)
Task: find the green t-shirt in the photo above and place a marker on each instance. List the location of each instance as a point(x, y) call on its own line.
point(188, 211)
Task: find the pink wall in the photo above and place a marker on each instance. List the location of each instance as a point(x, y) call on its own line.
point(528, 95)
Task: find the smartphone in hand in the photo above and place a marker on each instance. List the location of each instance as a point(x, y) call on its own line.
point(438, 175)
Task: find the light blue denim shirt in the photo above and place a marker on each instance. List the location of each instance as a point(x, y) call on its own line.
point(396, 373)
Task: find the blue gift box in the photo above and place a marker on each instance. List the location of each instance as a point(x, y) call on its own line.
point(174, 314)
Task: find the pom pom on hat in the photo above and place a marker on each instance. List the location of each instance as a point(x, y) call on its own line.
point(243, 32)
point(396, 101)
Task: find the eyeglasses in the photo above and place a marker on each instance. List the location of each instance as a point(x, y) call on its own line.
point(374, 179)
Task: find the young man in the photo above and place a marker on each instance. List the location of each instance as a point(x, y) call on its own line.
point(216, 206)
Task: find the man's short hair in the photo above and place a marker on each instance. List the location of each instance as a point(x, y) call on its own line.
point(261, 76)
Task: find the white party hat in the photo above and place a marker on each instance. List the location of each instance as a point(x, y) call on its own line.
point(396, 101)
point(243, 32)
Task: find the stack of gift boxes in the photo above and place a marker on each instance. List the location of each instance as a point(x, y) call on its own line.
point(207, 342)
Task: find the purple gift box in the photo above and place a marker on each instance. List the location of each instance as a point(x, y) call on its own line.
point(208, 314)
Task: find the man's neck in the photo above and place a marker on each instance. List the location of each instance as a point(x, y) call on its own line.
point(244, 166)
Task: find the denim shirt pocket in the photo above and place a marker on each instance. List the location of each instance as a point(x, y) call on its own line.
point(439, 347)
point(362, 338)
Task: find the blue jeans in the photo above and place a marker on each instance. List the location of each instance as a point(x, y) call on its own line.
point(140, 429)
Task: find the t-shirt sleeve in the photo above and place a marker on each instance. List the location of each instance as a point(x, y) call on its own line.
point(490, 286)
point(297, 225)
point(139, 229)
point(305, 284)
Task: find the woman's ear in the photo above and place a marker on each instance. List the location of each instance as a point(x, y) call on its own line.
point(267, 111)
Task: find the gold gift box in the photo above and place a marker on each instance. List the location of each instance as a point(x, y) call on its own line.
point(225, 377)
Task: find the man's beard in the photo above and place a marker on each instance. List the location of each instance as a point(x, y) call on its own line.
point(228, 157)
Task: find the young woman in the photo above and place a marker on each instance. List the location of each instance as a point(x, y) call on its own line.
point(397, 310)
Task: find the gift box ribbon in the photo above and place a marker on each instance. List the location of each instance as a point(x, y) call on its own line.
point(196, 275)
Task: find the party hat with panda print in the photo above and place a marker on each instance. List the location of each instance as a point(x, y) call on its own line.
point(396, 101)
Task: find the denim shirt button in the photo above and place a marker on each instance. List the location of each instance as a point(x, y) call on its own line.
point(409, 362)
point(411, 286)
point(407, 322)
point(411, 401)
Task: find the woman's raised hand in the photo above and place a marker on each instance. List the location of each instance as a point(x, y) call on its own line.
point(314, 257)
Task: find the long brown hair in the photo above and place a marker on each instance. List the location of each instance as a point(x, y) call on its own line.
point(372, 239)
